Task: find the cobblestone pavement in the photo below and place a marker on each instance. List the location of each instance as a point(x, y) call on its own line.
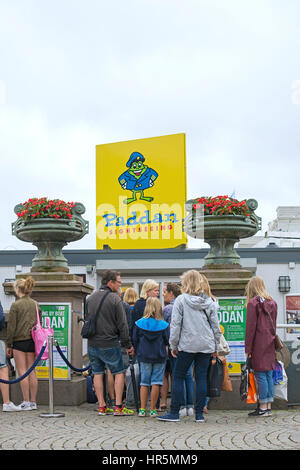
point(82, 429)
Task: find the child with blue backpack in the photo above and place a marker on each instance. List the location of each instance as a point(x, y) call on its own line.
point(150, 340)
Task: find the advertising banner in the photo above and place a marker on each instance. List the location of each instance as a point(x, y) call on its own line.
point(232, 319)
point(140, 193)
point(292, 312)
point(60, 317)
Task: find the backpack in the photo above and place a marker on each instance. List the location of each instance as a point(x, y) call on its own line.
point(89, 326)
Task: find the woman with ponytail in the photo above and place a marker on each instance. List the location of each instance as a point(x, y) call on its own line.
point(20, 345)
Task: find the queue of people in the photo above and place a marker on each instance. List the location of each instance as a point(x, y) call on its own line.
point(172, 345)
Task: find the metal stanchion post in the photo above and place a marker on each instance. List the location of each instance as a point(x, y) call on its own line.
point(51, 413)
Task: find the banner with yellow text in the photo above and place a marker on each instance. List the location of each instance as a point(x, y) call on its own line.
point(140, 193)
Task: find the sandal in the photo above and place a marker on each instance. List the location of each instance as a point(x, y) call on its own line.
point(162, 408)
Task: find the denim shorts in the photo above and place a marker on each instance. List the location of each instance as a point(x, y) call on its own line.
point(3, 360)
point(152, 374)
point(112, 357)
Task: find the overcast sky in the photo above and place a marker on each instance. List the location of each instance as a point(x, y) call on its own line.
point(76, 74)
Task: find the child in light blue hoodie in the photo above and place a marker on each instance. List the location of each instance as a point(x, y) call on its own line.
point(150, 339)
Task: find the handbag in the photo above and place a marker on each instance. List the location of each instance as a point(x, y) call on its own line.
point(89, 326)
point(215, 376)
point(226, 384)
point(283, 355)
point(223, 349)
point(244, 385)
point(251, 394)
point(277, 341)
point(40, 335)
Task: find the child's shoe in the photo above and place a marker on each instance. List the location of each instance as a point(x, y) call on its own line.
point(142, 412)
point(153, 413)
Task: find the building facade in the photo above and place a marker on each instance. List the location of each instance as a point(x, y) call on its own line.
point(272, 263)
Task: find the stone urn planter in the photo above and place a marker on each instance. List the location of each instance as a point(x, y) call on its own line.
point(221, 231)
point(50, 235)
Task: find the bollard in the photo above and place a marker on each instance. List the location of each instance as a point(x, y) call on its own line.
point(51, 413)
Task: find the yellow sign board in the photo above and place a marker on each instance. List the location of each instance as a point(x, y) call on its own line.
point(140, 193)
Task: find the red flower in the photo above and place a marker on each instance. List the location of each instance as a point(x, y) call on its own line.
point(44, 208)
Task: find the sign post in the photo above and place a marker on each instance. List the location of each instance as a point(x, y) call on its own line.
point(51, 413)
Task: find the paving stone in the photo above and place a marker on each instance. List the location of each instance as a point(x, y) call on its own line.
point(82, 429)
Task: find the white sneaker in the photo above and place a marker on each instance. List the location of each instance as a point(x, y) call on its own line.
point(10, 407)
point(25, 406)
point(182, 412)
point(190, 411)
point(33, 405)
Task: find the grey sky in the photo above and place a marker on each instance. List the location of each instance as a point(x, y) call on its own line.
point(77, 74)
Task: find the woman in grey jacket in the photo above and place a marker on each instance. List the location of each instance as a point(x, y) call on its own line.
point(194, 336)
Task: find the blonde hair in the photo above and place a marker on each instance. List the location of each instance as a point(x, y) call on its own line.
point(153, 309)
point(24, 286)
point(149, 284)
point(194, 283)
point(256, 287)
point(130, 296)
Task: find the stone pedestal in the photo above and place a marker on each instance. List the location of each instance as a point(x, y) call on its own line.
point(227, 280)
point(57, 287)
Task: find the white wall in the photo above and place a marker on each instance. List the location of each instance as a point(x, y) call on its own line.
point(270, 274)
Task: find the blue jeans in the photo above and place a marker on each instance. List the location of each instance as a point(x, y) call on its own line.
point(265, 386)
point(188, 394)
point(183, 363)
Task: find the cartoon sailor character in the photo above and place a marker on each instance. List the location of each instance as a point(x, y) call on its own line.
point(137, 178)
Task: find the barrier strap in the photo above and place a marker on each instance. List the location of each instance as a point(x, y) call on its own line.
point(67, 362)
point(37, 360)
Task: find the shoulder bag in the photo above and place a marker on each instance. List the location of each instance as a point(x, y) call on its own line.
point(223, 349)
point(40, 335)
point(89, 326)
point(277, 341)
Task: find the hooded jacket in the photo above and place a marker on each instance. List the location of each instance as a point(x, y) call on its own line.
point(137, 311)
point(150, 338)
point(260, 333)
point(191, 331)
